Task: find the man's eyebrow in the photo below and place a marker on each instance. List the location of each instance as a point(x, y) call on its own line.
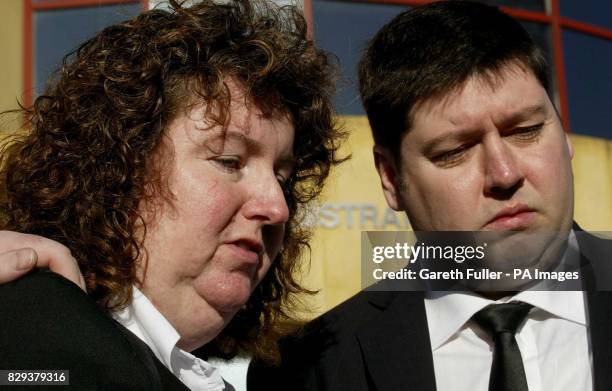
point(523, 114)
point(460, 135)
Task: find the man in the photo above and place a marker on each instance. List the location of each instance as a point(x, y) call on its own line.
point(466, 138)
point(171, 156)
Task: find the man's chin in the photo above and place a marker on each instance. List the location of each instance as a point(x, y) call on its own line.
point(510, 251)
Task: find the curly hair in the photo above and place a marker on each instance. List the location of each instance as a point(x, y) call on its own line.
point(80, 169)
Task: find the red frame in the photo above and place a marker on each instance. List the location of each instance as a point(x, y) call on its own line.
point(308, 16)
point(555, 20)
point(559, 64)
point(28, 29)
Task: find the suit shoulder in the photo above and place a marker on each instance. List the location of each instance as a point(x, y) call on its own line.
point(337, 326)
point(313, 357)
point(50, 323)
point(43, 293)
point(355, 311)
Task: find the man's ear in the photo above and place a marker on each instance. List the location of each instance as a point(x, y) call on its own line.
point(570, 148)
point(389, 179)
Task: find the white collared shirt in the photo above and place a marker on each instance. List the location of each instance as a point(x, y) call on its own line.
point(147, 323)
point(554, 340)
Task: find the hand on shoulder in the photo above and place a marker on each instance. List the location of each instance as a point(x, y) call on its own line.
point(20, 253)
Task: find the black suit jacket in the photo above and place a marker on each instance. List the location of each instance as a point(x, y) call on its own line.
point(380, 340)
point(47, 322)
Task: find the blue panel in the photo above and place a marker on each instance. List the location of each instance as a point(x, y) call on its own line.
point(57, 32)
point(531, 5)
point(344, 28)
point(588, 64)
point(597, 12)
point(542, 36)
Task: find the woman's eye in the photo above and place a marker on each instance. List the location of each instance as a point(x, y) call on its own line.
point(284, 184)
point(281, 179)
point(229, 163)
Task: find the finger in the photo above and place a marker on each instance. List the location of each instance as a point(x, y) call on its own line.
point(14, 264)
point(50, 254)
point(63, 264)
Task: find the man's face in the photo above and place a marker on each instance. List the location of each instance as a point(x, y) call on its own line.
point(489, 157)
point(215, 240)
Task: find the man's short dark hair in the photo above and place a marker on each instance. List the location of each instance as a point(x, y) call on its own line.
point(429, 51)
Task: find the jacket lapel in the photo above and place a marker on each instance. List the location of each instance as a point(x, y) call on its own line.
point(396, 347)
point(596, 266)
point(161, 378)
point(600, 324)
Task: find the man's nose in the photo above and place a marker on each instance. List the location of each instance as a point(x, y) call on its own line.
point(267, 202)
point(503, 175)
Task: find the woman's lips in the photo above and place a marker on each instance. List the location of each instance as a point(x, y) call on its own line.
point(243, 255)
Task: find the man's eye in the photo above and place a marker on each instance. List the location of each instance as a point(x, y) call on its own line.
point(450, 157)
point(228, 163)
point(527, 133)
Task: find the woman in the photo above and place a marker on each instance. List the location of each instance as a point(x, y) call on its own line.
point(173, 156)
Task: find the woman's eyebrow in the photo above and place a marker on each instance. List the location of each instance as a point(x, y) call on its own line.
point(220, 138)
point(288, 162)
point(253, 146)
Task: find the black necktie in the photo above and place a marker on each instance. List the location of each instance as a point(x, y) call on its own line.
point(501, 321)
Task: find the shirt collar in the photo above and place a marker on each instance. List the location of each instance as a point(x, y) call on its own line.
point(569, 305)
point(146, 322)
point(448, 312)
point(143, 319)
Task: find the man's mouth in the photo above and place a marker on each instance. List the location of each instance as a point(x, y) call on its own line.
point(517, 217)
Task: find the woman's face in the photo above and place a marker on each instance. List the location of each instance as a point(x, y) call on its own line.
point(216, 236)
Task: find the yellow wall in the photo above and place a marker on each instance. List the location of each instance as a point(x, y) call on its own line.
point(11, 52)
point(592, 165)
point(335, 266)
point(352, 202)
